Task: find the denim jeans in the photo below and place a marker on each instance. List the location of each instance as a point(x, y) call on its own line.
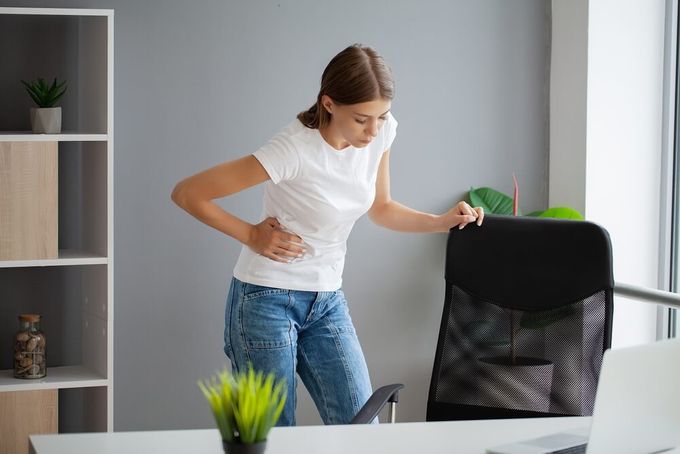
point(311, 333)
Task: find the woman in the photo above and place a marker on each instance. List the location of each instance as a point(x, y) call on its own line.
point(286, 312)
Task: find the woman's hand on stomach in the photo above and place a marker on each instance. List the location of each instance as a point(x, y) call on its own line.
point(270, 240)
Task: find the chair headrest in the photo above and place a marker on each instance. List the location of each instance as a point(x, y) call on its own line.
point(530, 263)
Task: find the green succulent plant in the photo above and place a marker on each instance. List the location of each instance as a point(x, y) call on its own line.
point(245, 405)
point(44, 94)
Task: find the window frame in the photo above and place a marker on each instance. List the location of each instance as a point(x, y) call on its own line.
point(669, 322)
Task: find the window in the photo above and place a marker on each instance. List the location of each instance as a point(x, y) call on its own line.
point(671, 319)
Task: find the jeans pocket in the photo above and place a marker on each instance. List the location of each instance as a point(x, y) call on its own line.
point(253, 291)
point(264, 318)
point(339, 317)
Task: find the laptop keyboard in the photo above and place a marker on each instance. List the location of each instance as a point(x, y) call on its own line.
point(579, 449)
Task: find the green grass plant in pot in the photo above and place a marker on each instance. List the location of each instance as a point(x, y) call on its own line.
point(246, 406)
point(46, 118)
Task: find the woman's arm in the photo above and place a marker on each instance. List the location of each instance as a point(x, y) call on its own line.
point(393, 215)
point(196, 193)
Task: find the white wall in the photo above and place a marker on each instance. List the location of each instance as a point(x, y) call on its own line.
point(623, 132)
point(568, 82)
point(198, 83)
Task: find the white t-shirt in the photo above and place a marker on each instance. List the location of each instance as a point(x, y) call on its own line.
point(318, 193)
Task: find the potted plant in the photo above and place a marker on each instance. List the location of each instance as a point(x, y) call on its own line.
point(246, 406)
point(508, 378)
point(45, 119)
point(496, 202)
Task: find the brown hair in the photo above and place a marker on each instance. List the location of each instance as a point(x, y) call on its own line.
point(357, 74)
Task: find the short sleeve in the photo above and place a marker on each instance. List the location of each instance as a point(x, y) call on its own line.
point(279, 157)
point(390, 128)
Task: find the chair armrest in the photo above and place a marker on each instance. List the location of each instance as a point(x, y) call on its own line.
point(647, 295)
point(373, 406)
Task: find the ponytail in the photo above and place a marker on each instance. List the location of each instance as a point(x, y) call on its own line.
point(315, 117)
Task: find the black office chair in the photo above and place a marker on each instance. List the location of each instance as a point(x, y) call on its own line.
point(527, 317)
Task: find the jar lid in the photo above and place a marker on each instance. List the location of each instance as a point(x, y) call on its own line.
point(30, 317)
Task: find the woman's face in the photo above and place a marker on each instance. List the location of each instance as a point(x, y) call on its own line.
point(355, 124)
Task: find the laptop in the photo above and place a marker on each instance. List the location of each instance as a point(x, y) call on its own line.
point(637, 407)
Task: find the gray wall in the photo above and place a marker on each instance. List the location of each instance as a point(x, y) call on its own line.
point(199, 83)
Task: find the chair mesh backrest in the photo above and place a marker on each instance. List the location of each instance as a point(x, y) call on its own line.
point(527, 317)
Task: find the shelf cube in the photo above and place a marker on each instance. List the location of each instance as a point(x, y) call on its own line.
point(25, 413)
point(28, 200)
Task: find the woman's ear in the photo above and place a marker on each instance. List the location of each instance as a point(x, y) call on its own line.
point(327, 103)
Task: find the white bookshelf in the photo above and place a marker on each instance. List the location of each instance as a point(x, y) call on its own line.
point(67, 257)
point(65, 136)
point(64, 377)
point(73, 292)
point(74, 12)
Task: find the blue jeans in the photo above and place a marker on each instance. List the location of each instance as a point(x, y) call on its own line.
point(311, 333)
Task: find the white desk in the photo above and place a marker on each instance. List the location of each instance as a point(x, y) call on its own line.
point(459, 437)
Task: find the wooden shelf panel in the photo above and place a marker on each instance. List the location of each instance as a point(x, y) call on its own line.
point(66, 136)
point(67, 257)
point(57, 378)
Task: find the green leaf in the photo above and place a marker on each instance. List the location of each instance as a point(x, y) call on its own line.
point(33, 92)
point(543, 319)
point(43, 94)
point(221, 412)
point(282, 402)
point(535, 214)
point(36, 100)
point(562, 213)
point(491, 201)
point(484, 332)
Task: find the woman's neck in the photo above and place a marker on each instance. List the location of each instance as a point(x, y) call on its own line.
point(333, 138)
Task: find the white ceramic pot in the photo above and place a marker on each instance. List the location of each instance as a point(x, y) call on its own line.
point(523, 386)
point(46, 120)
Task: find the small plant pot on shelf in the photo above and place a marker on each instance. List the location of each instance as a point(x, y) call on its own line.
point(46, 120)
point(244, 448)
